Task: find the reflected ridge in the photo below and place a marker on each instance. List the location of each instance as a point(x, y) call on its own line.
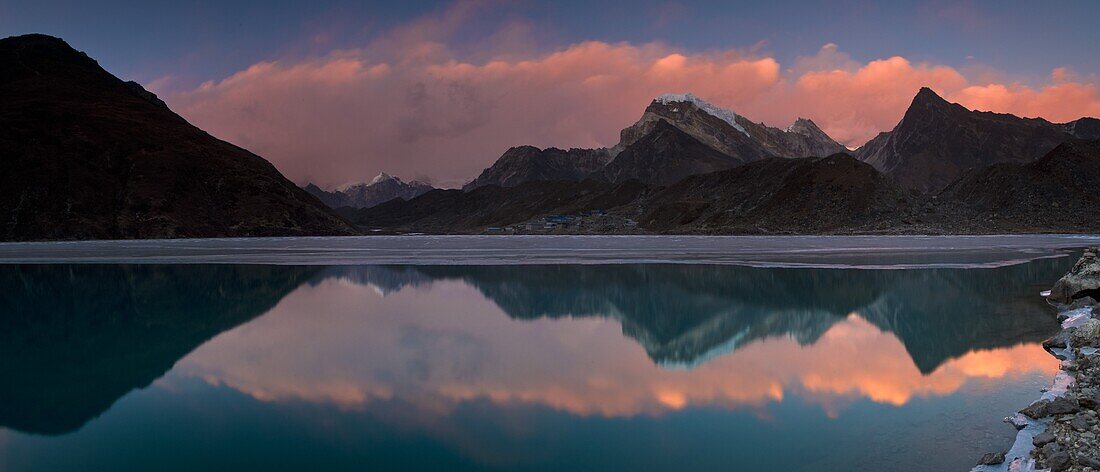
point(76, 338)
point(686, 314)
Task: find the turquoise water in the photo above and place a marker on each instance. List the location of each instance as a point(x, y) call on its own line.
point(532, 367)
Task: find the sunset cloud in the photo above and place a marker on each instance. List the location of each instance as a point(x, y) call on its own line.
point(409, 103)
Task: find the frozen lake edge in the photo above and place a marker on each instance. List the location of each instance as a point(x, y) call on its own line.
point(858, 252)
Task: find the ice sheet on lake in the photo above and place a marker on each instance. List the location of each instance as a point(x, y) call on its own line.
point(866, 252)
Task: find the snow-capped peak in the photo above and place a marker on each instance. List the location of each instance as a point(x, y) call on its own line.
point(380, 177)
point(799, 123)
point(715, 111)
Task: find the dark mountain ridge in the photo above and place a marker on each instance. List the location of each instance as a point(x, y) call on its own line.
point(664, 156)
point(836, 194)
point(88, 156)
point(1058, 192)
point(445, 211)
point(936, 141)
point(528, 163)
point(776, 195)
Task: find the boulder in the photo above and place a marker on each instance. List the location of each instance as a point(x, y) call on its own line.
point(1088, 334)
point(1057, 341)
point(1037, 410)
point(1079, 423)
point(1043, 438)
point(1089, 398)
point(1059, 461)
point(991, 458)
point(1088, 461)
point(1083, 280)
point(1062, 406)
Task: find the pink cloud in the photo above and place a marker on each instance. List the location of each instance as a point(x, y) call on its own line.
point(408, 104)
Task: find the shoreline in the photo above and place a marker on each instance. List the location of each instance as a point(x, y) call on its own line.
point(1060, 431)
point(848, 252)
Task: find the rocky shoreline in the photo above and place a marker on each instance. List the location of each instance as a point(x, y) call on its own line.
point(1061, 430)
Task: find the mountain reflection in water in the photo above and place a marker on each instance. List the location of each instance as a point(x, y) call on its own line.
point(76, 338)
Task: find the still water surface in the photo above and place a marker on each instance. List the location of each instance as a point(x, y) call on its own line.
point(534, 367)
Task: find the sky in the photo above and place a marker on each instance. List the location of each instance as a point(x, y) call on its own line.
point(335, 91)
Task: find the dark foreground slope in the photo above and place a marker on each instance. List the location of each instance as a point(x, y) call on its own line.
point(777, 195)
point(819, 195)
point(664, 156)
point(447, 211)
point(1058, 193)
point(84, 155)
point(528, 163)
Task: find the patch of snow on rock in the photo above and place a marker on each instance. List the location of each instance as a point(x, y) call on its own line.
point(715, 111)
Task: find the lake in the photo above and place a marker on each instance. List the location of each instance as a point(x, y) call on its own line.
point(523, 353)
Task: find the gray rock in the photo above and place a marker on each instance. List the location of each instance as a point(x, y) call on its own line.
point(991, 458)
point(1088, 461)
point(1037, 410)
point(1085, 362)
point(1088, 334)
point(1082, 280)
point(1059, 461)
point(1057, 341)
point(1051, 449)
point(1079, 423)
point(1042, 439)
point(1017, 421)
point(1062, 406)
point(1083, 302)
point(1089, 398)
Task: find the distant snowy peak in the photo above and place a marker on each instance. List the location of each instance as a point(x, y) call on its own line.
point(711, 109)
point(382, 176)
point(803, 126)
point(382, 188)
point(807, 127)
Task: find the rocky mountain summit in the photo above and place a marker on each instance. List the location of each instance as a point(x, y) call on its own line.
point(88, 156)
point(729, 133)
point(937, 141)
point(381, 189)
point(678, 135)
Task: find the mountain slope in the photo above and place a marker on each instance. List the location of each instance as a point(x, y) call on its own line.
point(936, 141)
point(1055, 193)
point(381, 189)
point(443, 211)
point(780, 195)
point(88, 156)
point(528, 163)
point(664, 156)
